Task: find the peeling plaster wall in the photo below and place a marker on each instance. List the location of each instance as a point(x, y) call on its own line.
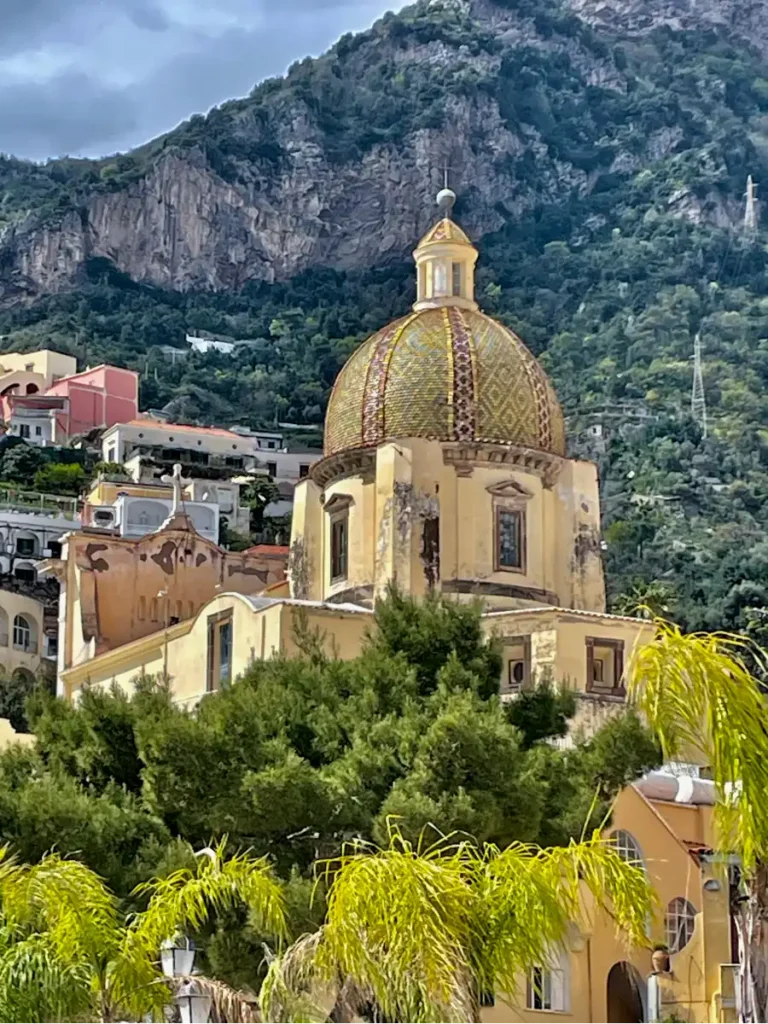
point(424, 519)
point(578, 520)
point(559, 653)
point(118, 583)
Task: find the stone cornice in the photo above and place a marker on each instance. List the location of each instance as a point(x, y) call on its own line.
point(464, 456)
point(357, 462)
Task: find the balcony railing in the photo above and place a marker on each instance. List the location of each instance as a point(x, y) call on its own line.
point(34, 501)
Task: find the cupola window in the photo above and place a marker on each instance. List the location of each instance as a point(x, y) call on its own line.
point(458, 279)
point(440, 289)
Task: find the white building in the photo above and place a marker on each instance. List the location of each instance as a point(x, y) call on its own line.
point(221, 452)
point(27, 537)
point(28, 606)
point(208, 344)
point(133, 516)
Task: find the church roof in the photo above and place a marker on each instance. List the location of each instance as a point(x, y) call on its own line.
point(447, 374)
point(446, 230)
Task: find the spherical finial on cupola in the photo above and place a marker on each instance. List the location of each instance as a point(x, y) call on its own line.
point(446, 200)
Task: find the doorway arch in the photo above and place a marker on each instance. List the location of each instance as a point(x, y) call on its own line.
point(625, 993)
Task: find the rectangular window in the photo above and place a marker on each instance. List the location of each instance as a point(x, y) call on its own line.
point(26, 546)
point(38, 431)
point(605, 666)
point(272, 468)
point(517, 666)
point(219, 655)
point(457, 278)
point(510, 539)
point(303, 471)
point(546, 989)
point(339, 540)
point(24, 430)
point(111, 455)
point(225, 653)
point(440, 280)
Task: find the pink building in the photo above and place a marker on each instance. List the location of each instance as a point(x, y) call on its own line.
point(96, 398)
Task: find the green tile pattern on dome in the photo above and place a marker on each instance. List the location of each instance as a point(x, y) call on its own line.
point(448, 374)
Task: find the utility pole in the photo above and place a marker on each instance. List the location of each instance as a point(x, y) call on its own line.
point(750, 213)
point(698, 401)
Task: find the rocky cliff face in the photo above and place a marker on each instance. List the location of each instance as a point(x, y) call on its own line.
point(184, 225)
point(742, 19)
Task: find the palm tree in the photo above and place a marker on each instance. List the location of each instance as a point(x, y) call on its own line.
point(707, 708)
point(66, 952)
point(419, 934)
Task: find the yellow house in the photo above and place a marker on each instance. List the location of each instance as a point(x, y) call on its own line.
point(30, 372)
point(445, 471)
point(664, 823)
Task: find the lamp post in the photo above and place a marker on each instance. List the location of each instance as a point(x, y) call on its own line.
point(177, 958)
point(194, 1004)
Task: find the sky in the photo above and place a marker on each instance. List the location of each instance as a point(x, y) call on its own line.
point(93, 77)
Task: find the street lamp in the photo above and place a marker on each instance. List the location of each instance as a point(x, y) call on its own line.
point(177, 957)
point(194, 1004)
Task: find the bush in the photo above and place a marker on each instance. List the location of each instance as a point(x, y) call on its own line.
point(57, 478)
point(22, 462)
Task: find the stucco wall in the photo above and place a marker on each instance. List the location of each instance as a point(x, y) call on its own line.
point(558, 643)
point(690, 987)
point(119, 590)
point(414, 484)
point(257, 634)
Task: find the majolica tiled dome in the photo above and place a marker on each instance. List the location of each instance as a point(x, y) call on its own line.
point(449, 374)
point(445, 372)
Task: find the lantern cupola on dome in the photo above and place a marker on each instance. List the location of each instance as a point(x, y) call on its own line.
point(445, 263)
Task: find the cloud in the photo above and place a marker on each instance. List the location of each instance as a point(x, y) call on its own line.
point(90, 77)
point(69, 113)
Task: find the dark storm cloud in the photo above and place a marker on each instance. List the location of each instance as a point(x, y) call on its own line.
point(93, 76)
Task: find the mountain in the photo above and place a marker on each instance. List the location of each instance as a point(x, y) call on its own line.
point(336, 165)
point(600, 149)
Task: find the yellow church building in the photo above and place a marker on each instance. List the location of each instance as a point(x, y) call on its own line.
point(444, 470)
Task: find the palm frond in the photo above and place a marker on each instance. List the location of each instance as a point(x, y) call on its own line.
point(186, 898)
point(74, 906)
point(227, 1003)
point(705, 706)
point(425, 931)
point(289, 990)
point(399, 923)
point(36, 985)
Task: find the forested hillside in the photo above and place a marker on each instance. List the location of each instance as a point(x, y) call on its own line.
point(602, 169)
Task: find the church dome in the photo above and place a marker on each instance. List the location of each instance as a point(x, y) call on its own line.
point(446, 371)
point(448, 374)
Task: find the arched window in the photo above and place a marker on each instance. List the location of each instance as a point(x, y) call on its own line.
point(679, 923)
point(627, 848)
point(22, 633)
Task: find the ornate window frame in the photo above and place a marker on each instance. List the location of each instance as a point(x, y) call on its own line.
point(510, 496)
point(337, 509)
